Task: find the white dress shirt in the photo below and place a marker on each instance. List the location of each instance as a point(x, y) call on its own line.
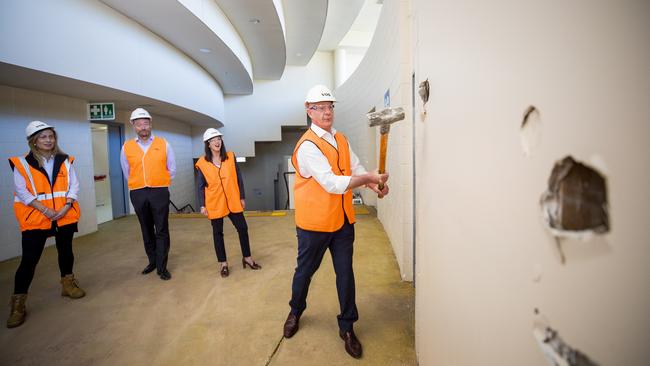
point(20, 185)
point(313, 163)
point(171, 161)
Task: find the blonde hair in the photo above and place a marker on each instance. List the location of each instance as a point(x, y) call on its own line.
point(31, 141)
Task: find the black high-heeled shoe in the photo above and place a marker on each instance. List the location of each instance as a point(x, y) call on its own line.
point(253, 266)
point(224, 271)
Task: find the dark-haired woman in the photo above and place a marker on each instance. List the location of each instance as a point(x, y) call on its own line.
point(221, 194)
point(45, 204)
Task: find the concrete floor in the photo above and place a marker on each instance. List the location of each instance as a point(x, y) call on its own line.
point(198, 318)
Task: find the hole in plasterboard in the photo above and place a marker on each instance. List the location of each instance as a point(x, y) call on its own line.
point(530, 131)
point(423, 91)
point(575, 202)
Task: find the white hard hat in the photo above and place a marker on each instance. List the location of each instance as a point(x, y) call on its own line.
point(319, 93)
point(139, 113)
point(210, 133)
point(34, 127)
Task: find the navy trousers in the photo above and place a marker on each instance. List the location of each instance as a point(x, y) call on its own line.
point(239, 221)
point(311, 248)
point(152, 207)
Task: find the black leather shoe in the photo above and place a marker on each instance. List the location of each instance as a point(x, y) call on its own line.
point(148, 269)
point(165, 275)
point(352, 344)
point(224, 271)
point(291, 325)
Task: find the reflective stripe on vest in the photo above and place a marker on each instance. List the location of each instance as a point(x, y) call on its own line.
point(222, 195)
point(147, 169)
point(38, 184)
point(317, 209)
point(47, 196)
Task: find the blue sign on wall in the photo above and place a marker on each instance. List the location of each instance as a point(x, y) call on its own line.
point(387, 98)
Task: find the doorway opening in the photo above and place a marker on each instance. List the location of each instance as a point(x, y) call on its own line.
point(110, 186)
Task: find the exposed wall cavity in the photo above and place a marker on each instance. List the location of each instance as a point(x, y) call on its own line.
point(423, 91)
point(531, 130)
point(575, 203)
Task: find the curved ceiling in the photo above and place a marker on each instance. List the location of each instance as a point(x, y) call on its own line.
point(182, 24)
point(259, 24)
point(25, 78)
point(340, 16)
point(305, 21)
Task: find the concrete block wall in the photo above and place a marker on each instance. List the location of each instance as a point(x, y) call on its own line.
point(386, 66)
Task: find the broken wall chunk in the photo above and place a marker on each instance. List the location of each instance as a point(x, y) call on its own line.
point(576, 199)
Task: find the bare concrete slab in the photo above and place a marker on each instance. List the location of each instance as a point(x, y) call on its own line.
point(199, 318)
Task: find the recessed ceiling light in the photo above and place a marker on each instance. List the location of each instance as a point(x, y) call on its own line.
point(205, 50)
point(254, 20)
point(298, 54)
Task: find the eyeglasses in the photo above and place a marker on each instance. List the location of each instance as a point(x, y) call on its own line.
point(142, 122)
point(322, 108)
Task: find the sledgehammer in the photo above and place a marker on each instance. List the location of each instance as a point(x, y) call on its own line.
point(384, 118)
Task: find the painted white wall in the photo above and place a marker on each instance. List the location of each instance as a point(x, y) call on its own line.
point(89, 41)
point(385, 66)
point(18, 107)
point(480, 241)
point(274, 103)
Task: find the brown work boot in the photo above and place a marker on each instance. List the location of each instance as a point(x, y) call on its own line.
point(70, 287)
point(18, 313)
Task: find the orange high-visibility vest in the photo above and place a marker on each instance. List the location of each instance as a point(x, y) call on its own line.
point(150, 169)
point(222, 190)
point(51, 196)
point(317, 209)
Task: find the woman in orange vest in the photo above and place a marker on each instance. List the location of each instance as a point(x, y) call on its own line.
point(221, 193)
point(45, 204)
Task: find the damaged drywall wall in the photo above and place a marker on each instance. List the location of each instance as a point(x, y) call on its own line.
point(575, 203)
point(556, 351)
point(530, 132)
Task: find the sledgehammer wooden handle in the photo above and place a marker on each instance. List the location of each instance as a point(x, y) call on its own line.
point(382, 157)
point(384, 118)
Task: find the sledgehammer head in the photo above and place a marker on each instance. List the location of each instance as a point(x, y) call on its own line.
point(385, 116)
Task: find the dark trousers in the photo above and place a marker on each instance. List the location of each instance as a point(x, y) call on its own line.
point(239, 222)
point(311, 248)
point(152, 207)
point(33, 243)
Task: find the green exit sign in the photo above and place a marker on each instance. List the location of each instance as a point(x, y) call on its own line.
point(101, 111)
